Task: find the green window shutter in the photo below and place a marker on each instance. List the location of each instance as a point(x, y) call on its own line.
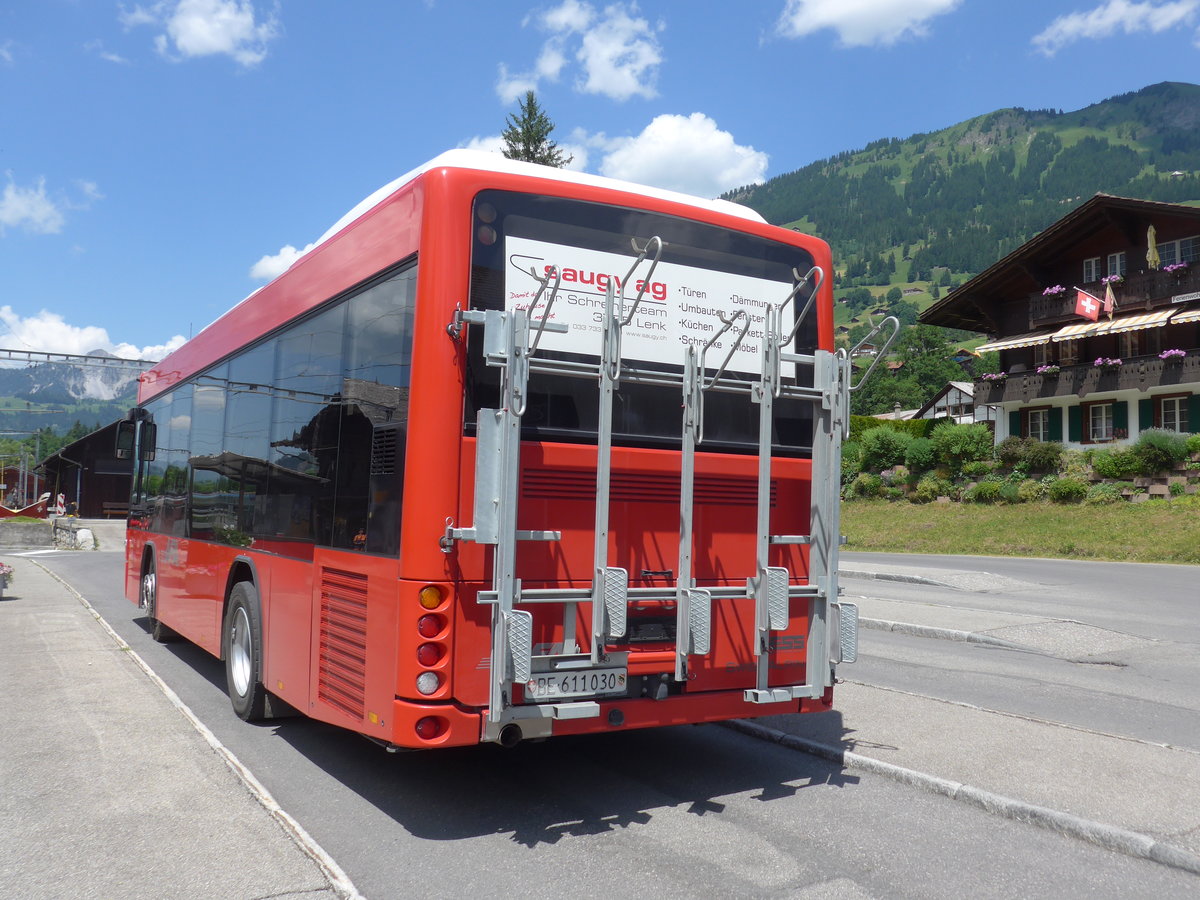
point(1056, 423)
point(1121, 415)
point(1194, 413)
point(1145, 414)
point(1075, 424)
point(1014, 423)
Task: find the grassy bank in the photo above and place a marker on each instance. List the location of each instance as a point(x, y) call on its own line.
point(1129, 532)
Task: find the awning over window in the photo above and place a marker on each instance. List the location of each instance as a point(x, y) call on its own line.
point(1189, 315)
point(1017, 340)
point(1135, 323)
point(1075, 332)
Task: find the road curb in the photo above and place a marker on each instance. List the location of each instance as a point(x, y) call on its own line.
point(945, 634)
point(894, 576)
point(1110, 837)
point(339, 881)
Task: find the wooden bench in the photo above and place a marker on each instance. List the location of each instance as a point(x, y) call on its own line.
point(112, 508)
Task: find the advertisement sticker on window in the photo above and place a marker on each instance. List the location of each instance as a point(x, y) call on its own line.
point(680, 307)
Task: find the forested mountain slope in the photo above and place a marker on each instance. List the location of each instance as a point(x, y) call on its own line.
point(965, 196)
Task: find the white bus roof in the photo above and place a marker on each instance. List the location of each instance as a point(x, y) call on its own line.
point(494, 162)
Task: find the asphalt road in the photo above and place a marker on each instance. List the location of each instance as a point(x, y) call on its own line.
point(1124, 657)
point(672, 812)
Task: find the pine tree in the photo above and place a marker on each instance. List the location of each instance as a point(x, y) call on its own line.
point(527, 136)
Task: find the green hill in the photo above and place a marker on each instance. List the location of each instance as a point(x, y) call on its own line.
point(925, 212)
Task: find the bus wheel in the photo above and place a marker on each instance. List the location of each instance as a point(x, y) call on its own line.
point(242, 646)
point(148, 600)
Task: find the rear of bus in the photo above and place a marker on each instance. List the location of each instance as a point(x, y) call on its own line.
point(608, 502)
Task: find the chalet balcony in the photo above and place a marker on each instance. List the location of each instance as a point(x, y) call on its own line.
point(1142, 292)
point(1140, 373)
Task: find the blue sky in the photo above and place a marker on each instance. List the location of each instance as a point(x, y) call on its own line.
point(159, 160)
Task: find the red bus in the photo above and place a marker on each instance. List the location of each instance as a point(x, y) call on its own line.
point(513, 452)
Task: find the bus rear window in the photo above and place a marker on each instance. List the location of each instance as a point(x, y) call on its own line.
point(703, 271)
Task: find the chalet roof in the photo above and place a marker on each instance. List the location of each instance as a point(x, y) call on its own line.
point(973, 305)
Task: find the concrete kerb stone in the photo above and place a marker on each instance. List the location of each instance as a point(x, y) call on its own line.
point(1110, 837)
point(339, 881)
point(945, 634)
point(894, 576)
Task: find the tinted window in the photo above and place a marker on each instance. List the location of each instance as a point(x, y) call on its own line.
point(562, 408)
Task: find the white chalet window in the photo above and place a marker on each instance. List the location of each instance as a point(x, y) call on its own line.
point(1091, 269)
point(1039, 424)
point(1173, 413)
point(1116, 264)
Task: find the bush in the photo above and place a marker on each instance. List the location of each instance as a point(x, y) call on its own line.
point(851, 462)
point(1160, 449)
point(866, 485)
point(1043, 456)
point(977, 469)
point(1177, 488)
point(920, 455)
point(1117, 464)
point(957, 444)
point(1031, 491)
point(930, 487)
point(984, 492)
point(883, 448)
point(1011, 492)
point(1100, 494)
point(896, 476)
point(1068, 490)
point(911, 427)
point(1012, 450)
point(1193, 443)
point(1073, 464)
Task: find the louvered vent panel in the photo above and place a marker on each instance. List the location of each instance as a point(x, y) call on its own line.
point(639, 487)
point(342, 666)
point(383, 451)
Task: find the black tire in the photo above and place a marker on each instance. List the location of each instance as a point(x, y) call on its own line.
point(241, 647)
point(148, 601)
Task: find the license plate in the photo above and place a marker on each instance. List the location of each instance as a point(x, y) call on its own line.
point(575, 683)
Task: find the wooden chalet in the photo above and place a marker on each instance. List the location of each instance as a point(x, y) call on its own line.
point(1068, 378)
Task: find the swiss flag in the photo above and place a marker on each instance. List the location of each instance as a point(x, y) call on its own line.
point(1086, 305)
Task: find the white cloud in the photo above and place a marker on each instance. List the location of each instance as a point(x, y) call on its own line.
point(683, 153)
point(195, 28)
point(30, 209)
point(272, 266)
point(1115, 16)
point(862, 23)
point(6, 56)
point(618, 52)
point(493, 143)
point(49, 333)
point(97, 47)
point(510, 86)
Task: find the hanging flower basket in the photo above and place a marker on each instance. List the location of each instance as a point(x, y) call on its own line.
point(1048, 370)
point(1107, 363)
point(1054, 290)
point(994, 377)
point(1172, 356)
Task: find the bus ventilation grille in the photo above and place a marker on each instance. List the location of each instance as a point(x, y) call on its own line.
point(639, 487)
point(342, 675)
point(384, 442)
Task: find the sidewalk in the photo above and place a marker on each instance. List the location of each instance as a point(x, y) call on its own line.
point(1134, 796)
point(108, 789)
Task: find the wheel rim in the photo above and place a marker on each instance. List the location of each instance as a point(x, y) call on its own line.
point(240, 651)
point(148, 593)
